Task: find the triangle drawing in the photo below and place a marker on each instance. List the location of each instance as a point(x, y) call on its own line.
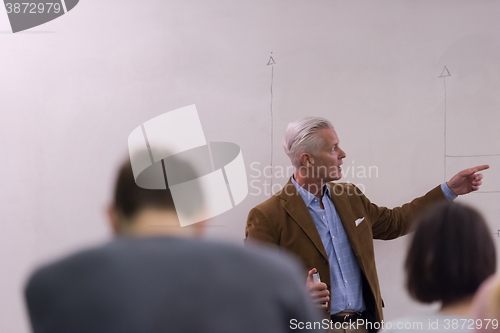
point(271, 61)
point(445, 72)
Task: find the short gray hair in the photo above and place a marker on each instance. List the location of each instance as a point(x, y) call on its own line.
point(300, 137)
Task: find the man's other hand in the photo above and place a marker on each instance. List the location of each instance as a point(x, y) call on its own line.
point(467, 180)
point(318, 291)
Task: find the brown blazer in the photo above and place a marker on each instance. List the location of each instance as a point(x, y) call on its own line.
point(284, 220)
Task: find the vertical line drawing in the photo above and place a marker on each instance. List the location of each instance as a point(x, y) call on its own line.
point(211, 157)
point(147, 143)
point(228, 187)
point(445, 73)
point(271, 63)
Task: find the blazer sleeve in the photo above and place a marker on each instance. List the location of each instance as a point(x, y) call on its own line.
point(259, 228)
point(392, 223)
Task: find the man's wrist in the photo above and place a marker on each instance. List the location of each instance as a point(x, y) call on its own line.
point(448, 193)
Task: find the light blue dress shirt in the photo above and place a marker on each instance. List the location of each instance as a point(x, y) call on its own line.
point(345, 274)
point(447, 192)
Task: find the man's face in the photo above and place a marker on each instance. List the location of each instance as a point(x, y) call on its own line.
point(327, 161)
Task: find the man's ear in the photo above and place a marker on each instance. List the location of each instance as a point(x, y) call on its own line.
point(113, 219)
point(306, 159)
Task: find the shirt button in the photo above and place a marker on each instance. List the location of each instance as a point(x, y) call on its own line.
point(323, 217)
point(345, 281)
point(333, 236)
point(348, 303)
point(338, 259)
point(315, 200)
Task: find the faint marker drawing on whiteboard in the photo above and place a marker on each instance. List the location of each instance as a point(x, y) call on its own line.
point(271, 62)
point(481, 158)
point(445, 73)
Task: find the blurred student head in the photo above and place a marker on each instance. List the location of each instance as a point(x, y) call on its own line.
point(450, 255)
point(136, 211)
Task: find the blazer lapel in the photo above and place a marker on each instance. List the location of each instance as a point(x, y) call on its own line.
point(297, 209)
point(347, 216)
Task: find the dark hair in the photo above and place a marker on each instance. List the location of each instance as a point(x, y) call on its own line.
point(450, 255)
point(130, 199)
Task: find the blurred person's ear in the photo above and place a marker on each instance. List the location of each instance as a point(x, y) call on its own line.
point(199, 229)
point(113, 219)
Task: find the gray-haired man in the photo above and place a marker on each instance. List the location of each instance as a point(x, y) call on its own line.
point(331, 226)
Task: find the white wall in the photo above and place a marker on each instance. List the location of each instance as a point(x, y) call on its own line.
point(73, 89)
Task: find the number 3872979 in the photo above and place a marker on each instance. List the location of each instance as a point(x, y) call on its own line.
point(32, 8)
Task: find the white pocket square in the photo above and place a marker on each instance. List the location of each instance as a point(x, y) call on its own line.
point(358, 221)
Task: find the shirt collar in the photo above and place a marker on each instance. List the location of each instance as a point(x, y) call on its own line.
point(307, 196)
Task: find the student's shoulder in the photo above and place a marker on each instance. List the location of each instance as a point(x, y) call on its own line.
point(56, 266)
point(257, 254)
